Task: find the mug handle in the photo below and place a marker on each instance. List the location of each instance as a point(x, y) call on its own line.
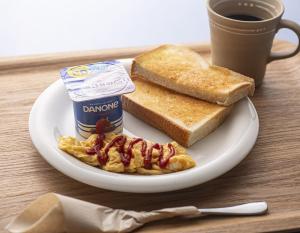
point(284, 23)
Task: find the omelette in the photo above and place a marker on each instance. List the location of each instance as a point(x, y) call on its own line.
point(122, 154)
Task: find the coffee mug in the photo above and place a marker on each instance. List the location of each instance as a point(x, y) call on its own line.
point(242, 33)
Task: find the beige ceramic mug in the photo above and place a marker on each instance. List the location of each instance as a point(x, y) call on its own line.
point(242, 33)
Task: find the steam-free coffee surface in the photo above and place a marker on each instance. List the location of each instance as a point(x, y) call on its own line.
point(244, 17)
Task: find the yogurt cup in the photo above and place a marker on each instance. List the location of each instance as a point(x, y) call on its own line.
point(96, 90)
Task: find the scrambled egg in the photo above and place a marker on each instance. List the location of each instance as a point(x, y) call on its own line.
point(180, 161)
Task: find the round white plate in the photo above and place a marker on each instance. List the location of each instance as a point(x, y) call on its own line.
point(52, 116)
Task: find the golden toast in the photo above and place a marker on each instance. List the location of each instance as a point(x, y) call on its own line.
point(183, 118)
point(185, 71)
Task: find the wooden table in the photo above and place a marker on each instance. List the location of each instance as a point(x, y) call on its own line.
point(271, 171)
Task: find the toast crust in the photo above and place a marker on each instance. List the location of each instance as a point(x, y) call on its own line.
point(183, 118)
point(185, 71)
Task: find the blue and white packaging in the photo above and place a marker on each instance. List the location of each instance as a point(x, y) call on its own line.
point(96, 90)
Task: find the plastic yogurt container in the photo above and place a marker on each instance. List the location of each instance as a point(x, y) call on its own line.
point(96, 90)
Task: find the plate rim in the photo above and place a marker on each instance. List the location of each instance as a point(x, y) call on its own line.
point(119, 182)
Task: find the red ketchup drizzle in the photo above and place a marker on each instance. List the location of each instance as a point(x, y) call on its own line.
point(148, 157)
point(98, 145)
point(120, 141)
point(121, 149)
point(102, 158)
point(126, 156)
point(135, 141)
point(164, 162)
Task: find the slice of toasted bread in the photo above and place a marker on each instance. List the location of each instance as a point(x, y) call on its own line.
point(182, 70)
point(183, 118)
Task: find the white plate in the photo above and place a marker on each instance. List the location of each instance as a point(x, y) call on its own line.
point(52, 115)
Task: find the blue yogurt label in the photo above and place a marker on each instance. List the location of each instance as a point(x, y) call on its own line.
point(92, 112)
point(96, 90)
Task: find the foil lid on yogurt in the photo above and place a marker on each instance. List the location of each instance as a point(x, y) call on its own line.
point(97, 80)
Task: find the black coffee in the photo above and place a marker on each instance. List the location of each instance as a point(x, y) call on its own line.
point(244, 17)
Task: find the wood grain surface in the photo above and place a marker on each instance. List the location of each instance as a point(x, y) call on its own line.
point(271, 172)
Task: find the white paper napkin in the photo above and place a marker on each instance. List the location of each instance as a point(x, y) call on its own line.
point(55, 213)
